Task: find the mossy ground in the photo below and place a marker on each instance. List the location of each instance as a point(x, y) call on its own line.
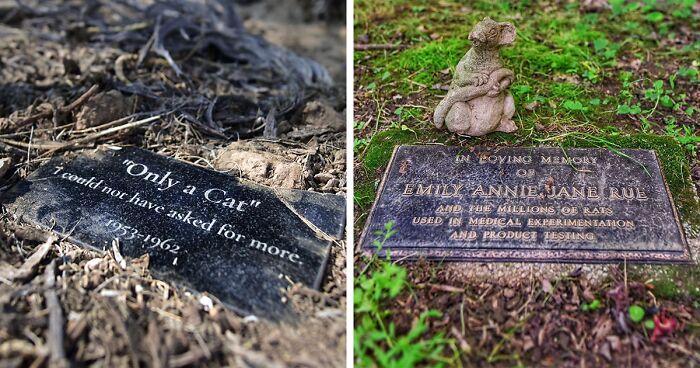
point(621, 78)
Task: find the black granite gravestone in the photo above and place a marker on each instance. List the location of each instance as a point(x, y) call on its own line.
point(526, 204)
point(241, 242)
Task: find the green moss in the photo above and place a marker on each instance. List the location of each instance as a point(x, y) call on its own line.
point(409, 113)
point(568, 91)
point(422, 64)
point(382, 146)
point(365, 192)
point(377, 155)
point(665, 287)
point(675, 282)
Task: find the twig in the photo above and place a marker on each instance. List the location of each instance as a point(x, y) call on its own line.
point(29, 147)
point(20, 348)
point(115, 122)
point(159, 49)
point(118, 258)
point(251, 357)
point(374, 46)
point(81, 100)
point(42, 115)
point(463, 344)
point(119, 66)
point(625, 268)
point(109, 131)
point(189, 358)
point(55, 337)
point(35, 145)
point(153, 343)
point(446, 288)
point(17, 134)
point(105, 132)
point(33, 118)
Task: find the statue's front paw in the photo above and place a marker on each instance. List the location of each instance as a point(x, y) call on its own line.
point(493, 92)
point(481, 79)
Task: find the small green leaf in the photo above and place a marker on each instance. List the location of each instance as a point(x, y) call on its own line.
point(688, 72)
point(521, 89)
point(649, 324)
point(600, 44)
point(626, 109)
point(682, 13)
point(666, 101)
point(595, 304)
point(655, 17)
point(658, 84)
point(359, 143)
point(573, 105)
point(636, 313)
point(632, 7)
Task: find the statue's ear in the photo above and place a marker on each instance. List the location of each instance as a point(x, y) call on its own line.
point(507, 34)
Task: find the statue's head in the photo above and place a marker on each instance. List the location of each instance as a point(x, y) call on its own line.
point(491, 34)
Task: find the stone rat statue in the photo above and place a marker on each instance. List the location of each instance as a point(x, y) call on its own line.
point(478, 102)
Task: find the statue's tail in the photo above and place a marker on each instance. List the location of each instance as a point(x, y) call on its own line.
point(464, 94)
point(441, 112)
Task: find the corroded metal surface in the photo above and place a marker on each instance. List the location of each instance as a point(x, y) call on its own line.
point(526, 204)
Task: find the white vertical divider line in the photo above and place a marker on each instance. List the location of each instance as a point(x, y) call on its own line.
point(350, 177)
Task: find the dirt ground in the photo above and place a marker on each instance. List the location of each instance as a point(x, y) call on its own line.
point(76, 74)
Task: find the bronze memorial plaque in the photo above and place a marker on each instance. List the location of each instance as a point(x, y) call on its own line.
point(526, 204)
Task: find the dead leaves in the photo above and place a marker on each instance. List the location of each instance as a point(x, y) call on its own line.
point(603, 328)
point(542, 321)
point(109, 311)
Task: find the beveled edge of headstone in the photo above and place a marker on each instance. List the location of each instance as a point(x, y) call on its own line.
point(530, 255)
point(283, 194)
point(366, 230)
